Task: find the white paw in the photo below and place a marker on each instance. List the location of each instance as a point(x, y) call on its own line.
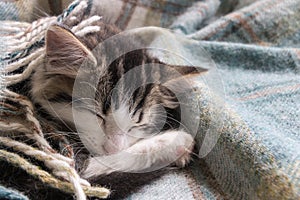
point(184, 153)
point(183, 160)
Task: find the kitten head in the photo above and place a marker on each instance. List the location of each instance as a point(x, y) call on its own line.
point(128, 105)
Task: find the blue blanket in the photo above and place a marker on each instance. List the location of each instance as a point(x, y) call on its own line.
point(255, 46)
point(11, 194)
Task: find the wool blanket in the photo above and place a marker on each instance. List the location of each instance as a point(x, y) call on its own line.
point(248, 135)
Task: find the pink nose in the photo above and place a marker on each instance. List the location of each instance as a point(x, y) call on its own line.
point(116, 143)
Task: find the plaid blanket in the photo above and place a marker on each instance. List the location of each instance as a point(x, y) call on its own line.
point(252, 116)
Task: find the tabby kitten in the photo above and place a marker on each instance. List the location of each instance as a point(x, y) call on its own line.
point(137, 129)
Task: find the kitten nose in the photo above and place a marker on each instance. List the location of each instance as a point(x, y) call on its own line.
point(116, 142)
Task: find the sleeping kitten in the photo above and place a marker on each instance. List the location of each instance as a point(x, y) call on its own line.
point(138, 132)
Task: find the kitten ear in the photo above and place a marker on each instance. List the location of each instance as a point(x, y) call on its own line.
point(188, 70)
point(186, 81)
point(64, 52)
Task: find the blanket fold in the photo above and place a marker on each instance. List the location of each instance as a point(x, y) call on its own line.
point(249, 126)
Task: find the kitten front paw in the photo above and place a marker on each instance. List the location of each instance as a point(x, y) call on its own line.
point(183, 160)
point(184, 153)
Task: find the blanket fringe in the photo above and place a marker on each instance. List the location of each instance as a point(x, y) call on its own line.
point(25, 44)
point(48, 179)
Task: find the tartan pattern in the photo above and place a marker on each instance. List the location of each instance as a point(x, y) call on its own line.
point(255, 45)
point(264, 23)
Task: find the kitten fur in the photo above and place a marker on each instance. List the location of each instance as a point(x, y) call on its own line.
point(131, 141)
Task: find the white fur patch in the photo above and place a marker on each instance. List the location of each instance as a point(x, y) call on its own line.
point(90, 131)
point(146, 155)
point(87, 124)
point(121, 118)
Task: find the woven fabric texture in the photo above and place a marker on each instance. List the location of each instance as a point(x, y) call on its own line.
point(255, 45)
